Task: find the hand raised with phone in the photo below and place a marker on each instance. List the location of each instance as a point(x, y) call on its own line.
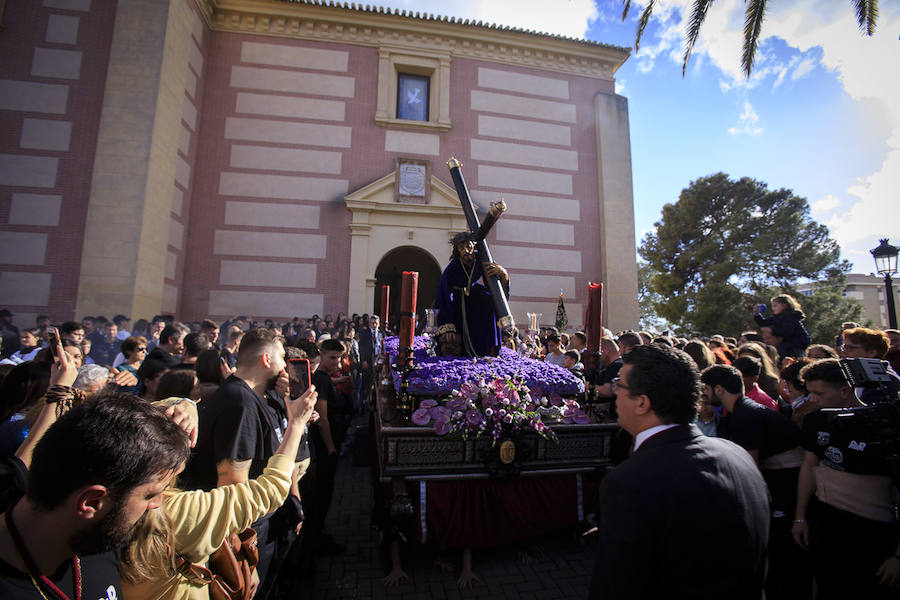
point(299, 409)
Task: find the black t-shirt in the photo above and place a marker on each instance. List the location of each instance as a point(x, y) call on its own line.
point(855, 441)
point(99, 579)
point(755, 427)
point(235, 424)
point(610, 372)
point(276, 404)
point(164, 357)
point(325, 390)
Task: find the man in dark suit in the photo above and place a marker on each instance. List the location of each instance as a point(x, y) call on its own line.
point(370, 340)
point(686, 516)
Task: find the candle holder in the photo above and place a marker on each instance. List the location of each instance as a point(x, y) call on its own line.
point(591, 374)
point(534, 322)
point(431, 315)
point(405, 366)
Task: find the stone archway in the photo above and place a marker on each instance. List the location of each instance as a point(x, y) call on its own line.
point(380, 225)
point(390, 272)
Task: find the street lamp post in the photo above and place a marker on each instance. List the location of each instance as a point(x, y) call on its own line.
point(886, 264)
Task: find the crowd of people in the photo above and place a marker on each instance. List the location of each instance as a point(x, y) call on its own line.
point(133, 452)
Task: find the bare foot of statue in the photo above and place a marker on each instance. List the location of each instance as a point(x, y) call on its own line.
point(445, 566)
point(395, 578)
point(467, 577)
point(397, 574)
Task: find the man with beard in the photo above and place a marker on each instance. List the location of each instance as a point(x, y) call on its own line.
point(239, 431)
point(466, 320)
point(93, 478)
point(773, 440)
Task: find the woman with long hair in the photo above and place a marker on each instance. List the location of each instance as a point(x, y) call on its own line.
point(768, 376)
point(166, 557)
point(786, 324)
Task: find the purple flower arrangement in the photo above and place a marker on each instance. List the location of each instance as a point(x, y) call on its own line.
point(498, 407)
point(438, 376)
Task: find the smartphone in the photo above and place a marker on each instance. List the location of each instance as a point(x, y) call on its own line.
point(54, 341)
point(761, 308)
point(298, 374)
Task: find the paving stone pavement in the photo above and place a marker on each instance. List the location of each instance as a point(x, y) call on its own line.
point(560, 569)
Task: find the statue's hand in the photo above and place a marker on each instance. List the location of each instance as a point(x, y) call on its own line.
point(496, 270)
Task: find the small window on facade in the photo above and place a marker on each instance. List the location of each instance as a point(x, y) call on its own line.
point(412, 97)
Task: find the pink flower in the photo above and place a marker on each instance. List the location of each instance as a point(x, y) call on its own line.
point(469, 390)
point(507, 419)
point(457, 403)
point(442, 426)
point(488, 412)
point(421, 417)
point(473, 417)
point(514, 398)
point(440, 412)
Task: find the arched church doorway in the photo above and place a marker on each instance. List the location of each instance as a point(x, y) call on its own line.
point(390, 272)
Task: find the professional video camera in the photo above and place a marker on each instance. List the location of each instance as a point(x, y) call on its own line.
point(871, 374)
point(870, 433)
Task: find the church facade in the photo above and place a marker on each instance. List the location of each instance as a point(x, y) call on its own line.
point(270, 158)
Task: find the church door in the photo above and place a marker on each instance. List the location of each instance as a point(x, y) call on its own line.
point(390, 272)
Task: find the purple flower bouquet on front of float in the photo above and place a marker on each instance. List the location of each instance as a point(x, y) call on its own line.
point(438, 376)
point(498, 408)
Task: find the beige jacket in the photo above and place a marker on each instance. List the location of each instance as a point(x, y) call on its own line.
point(202, 520)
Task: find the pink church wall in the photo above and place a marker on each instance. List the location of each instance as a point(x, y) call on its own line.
point(52, 76)
point(364, 161)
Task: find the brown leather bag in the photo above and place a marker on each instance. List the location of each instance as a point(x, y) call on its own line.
point(231, 567)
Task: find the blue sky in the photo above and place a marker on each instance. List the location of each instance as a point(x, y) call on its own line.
point(820, 115)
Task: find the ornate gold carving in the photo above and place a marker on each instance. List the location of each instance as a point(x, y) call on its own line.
point(498, 208)
point(453, 163)
point(507, 452)
point(353, 24)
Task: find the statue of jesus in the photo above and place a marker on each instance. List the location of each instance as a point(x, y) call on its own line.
point(467, 322)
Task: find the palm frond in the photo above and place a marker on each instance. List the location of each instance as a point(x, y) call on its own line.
point(866, 15)
point(753, 19)
point(626, 10)
point(692, 32)
point(642, 23)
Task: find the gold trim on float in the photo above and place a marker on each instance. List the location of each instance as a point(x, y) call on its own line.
point(454, 163)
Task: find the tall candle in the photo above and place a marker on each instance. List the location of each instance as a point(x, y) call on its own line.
point(385, 306)
point(593, 321)
point(408, 308)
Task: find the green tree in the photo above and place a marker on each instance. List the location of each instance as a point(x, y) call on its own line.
point(647, 300)
point(727, 245)
point(754, 15)
point(826, 309)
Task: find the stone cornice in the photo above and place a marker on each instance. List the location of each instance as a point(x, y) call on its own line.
point(352, 24)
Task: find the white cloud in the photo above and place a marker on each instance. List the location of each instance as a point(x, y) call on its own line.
point(748, 122)
point(805, 66)
point(826, 34)
point(825, 204)
point(620, 86)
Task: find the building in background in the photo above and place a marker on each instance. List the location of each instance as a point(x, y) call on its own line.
point(270, 158)
point(868, 289)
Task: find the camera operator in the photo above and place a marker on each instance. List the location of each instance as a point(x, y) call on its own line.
point(846, 498)
point(860, 342)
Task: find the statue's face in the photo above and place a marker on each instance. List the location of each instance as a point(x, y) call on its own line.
point(466, 252)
